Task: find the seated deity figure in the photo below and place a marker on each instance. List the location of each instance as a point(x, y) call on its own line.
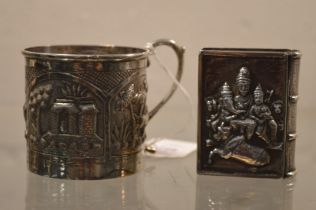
point(243, 101)
point(231, 145)
point(226, 112)
point(262, 115)
point(236, 122)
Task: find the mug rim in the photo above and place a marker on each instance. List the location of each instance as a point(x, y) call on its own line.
point(60, 52)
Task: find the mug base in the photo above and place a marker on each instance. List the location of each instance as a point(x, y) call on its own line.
point(83, 168)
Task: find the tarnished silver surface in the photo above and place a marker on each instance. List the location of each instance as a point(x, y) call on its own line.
point(85, 109)
point(247, 111)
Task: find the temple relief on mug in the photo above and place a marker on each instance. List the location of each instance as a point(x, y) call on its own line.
point(71, 113)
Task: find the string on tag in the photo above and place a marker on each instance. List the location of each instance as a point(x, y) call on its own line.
point(179, 85)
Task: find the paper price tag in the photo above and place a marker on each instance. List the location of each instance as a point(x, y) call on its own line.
point(168, 148)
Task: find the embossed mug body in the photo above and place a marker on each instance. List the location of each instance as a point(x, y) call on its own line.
point(85, 109)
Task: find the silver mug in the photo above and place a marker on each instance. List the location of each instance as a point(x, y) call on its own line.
point(85, 108)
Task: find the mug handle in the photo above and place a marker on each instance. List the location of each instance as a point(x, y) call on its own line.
point(179, 50)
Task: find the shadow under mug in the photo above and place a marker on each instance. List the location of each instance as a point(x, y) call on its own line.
point(85, 108)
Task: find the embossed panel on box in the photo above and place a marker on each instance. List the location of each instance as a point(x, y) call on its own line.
point(244, 102)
